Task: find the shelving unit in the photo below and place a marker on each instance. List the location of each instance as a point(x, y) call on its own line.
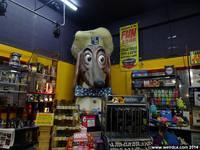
point(14, 120)
point(66, 122)
point(165, 99)
point(42, 85)
point(160, 90)
point(194, 99)
point(13, 83)
point(16, 84)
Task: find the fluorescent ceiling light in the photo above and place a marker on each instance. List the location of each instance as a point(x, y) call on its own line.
point(70, 4)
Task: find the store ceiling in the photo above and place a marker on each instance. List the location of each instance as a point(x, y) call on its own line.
point(106, 11)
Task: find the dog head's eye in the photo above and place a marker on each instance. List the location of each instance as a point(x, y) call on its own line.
point(88, 58)
point(101, 59)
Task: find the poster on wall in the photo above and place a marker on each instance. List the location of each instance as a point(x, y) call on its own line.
point(129, 53)
point(195, 57)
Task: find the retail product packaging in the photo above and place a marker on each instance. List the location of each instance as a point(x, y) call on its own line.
point(197, 98)
point(91, 122)
point(139, 73)
point(195, 77)
point(196, 117)
point(195, 138)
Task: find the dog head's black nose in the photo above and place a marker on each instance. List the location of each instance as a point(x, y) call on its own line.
point(99, 84)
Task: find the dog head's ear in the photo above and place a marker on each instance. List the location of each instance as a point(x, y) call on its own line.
point(77, 76)
point(107, 71)
point(80, 69)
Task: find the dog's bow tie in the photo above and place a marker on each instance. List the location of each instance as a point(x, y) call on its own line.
point(80, 91)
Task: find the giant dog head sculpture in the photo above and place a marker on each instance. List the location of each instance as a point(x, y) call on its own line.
point(93, 58)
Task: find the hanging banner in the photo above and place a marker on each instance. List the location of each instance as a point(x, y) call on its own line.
point(129, 53)
point(195, 57)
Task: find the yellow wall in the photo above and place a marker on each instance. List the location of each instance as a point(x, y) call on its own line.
point(65, 78)
point(6, 50)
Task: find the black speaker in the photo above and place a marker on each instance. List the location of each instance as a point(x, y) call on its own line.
point(56, 31)
point(3, 7)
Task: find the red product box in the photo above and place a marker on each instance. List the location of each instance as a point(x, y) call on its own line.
point(88, 121)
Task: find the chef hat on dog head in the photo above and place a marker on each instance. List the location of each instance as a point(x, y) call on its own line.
point(100, 36)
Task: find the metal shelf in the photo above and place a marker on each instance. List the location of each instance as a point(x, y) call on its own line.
point(63, 117)
point(12, 91)
point(67, 107)
point(40, 102)
point(125, 104)
point(43, 75)
point(15, 84)
point(41, 93)
point(155, 76)
point(179, 128)
point(7, 67)
point(194, 86)
point(160, 87)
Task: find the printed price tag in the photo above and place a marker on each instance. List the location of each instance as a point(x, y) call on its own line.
point(91, 123)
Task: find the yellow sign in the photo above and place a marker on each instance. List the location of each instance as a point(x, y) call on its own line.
point(195, 57)
point(44, 119)
point(129, 55)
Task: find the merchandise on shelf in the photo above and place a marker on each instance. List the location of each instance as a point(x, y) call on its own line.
point(196, 117)
point(81, 140)
point(125, 120)
point(15, 59)
point(41, 86)
point(14, 121)
point(66, 123)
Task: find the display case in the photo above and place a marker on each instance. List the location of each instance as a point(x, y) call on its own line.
point(125, 121)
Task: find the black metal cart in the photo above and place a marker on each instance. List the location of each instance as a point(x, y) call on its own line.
point(125, 125)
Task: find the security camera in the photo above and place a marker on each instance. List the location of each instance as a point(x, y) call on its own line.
point(3, 7)
point(56, 31)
